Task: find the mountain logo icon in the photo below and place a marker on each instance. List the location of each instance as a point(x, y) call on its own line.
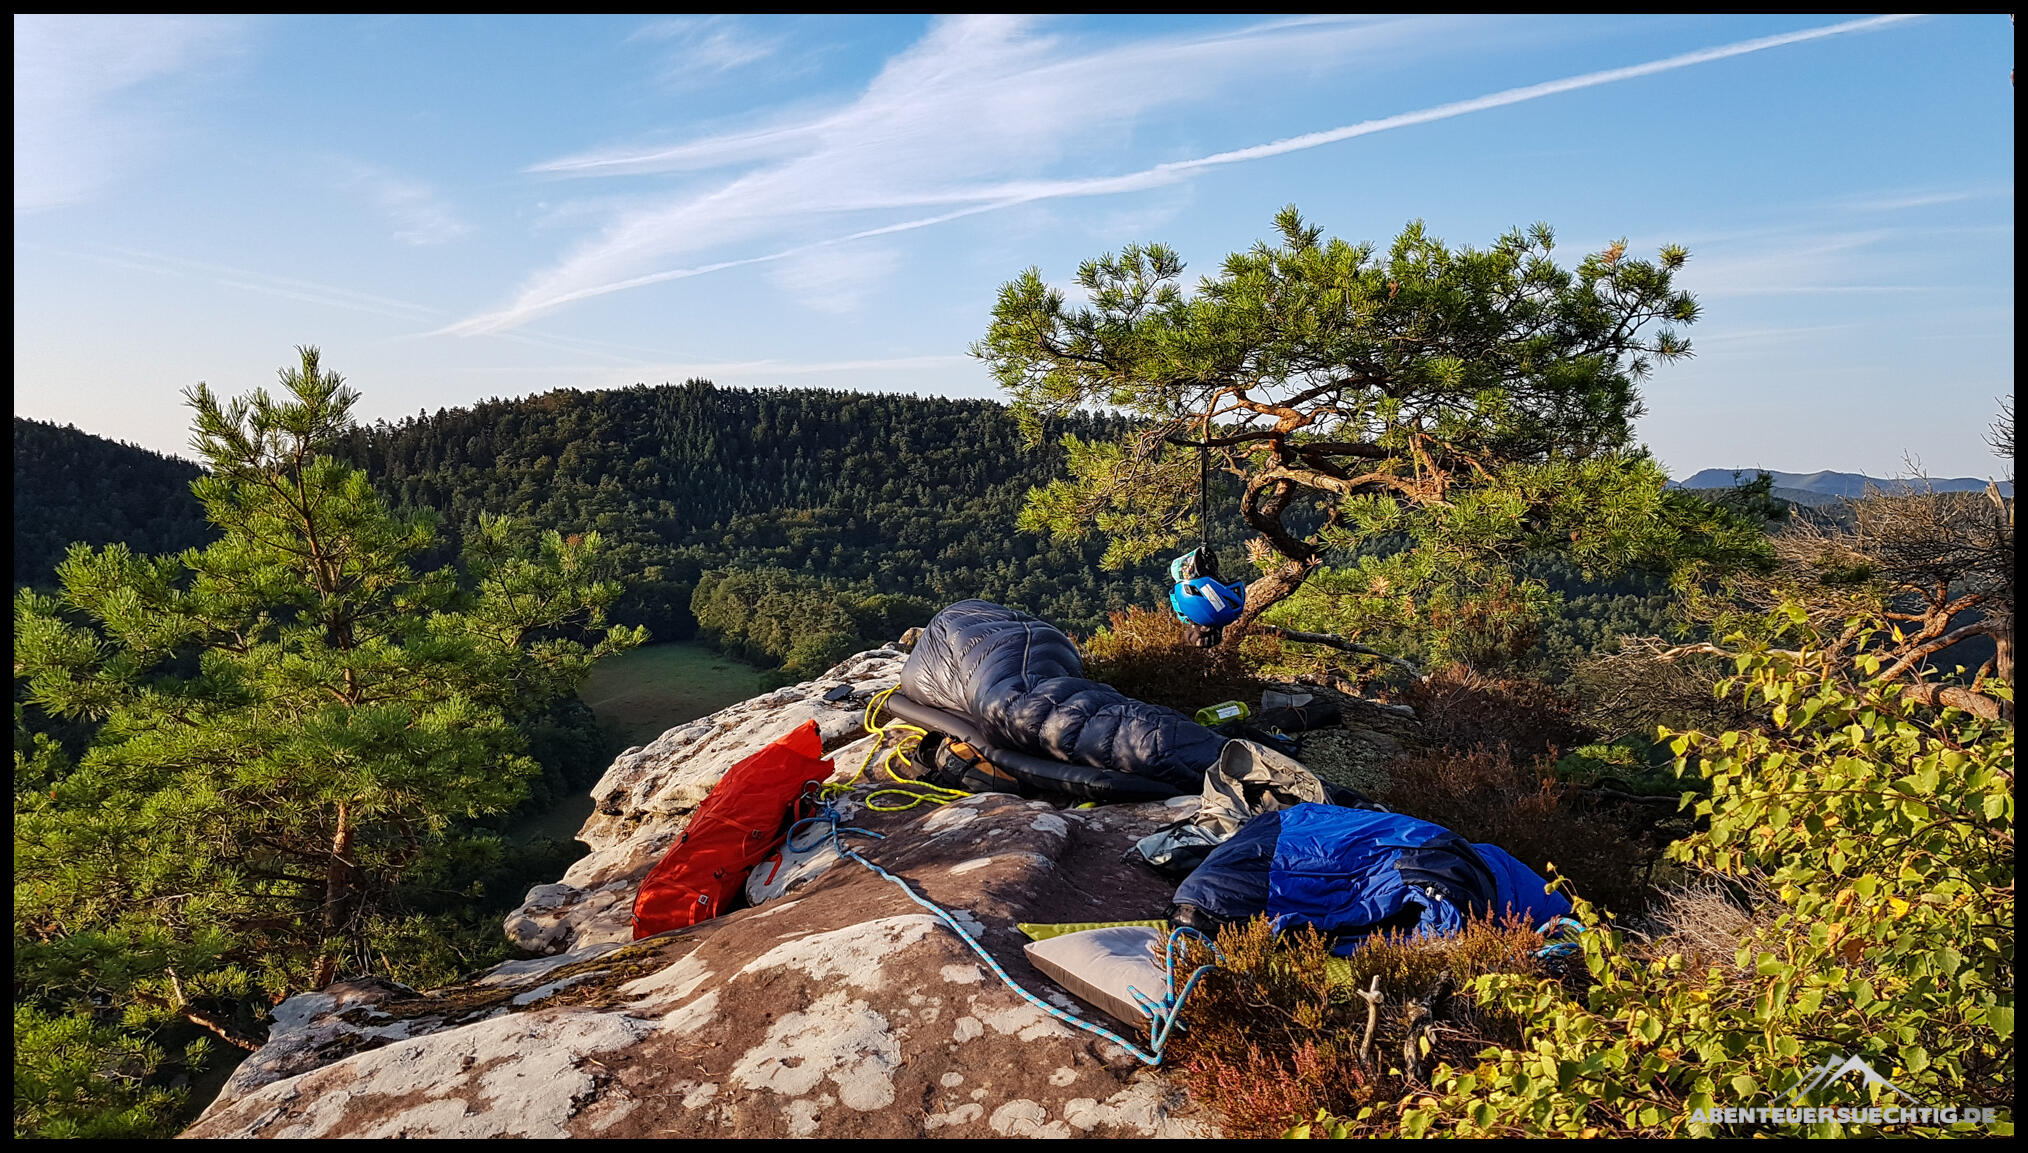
point(1836, 1069)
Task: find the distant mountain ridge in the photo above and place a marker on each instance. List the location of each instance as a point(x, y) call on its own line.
point(1827, 487)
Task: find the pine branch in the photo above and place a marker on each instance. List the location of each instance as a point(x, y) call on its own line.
point(213, 1026)
point(1338, 642)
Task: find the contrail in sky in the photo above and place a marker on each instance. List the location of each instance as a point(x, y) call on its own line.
point(1007, 194)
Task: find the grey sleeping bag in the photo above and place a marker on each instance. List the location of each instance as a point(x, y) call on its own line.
point(1020, 682)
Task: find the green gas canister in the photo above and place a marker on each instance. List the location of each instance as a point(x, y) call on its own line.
point(1222, 712)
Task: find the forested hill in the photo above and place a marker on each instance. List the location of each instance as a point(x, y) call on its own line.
point(852, 494)
point(891, 493)
point(72, 486)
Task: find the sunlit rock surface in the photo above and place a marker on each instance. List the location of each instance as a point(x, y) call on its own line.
point(840, 1009)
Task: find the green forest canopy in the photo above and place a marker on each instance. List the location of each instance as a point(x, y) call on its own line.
point(880, 493)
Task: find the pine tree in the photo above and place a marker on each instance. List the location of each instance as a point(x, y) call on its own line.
point(1477, 403)
point(288, 718)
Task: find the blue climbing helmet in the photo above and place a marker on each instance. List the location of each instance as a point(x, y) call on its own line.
point(1199, 597)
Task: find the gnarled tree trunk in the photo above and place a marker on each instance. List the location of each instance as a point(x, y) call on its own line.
point(1264, 593)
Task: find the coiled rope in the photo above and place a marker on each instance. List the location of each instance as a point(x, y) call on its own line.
point(906, 792)
point(1556, 926)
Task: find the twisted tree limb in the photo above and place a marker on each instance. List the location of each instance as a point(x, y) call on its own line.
point(1423, 1015)
point(1373, 997)
point(1340, 643)
point(1936, 696)
point(1954, 697)
point(184, 1009)
point(203, 1022)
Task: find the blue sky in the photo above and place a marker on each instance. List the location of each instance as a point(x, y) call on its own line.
point(460, 208)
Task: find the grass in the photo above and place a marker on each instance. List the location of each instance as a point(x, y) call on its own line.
point(638, 695)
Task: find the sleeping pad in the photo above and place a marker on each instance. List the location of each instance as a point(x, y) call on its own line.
point(1352, 872)
point(1016, 684)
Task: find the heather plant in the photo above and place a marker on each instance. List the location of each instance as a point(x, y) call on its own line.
point(1143, 653)
point(1878, 834)
point(1464, 709)
point(1283, 1025)
point(1608, 847)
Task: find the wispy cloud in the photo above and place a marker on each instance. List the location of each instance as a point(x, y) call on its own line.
point(501, 322)
point(1780, 335)
point(1903, 200)
point(977, 99)
point(811, 367)
point(334, 296)
point(698, 51)
point(283, 287)
point(1806, 263)
point(985, 93)
point(736, 372)
point(89, 99)
point(836, 279)
point(420, 215)
point(948, 122)
point(709, 44)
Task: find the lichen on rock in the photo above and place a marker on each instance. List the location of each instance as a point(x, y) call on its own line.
point(843, 1009)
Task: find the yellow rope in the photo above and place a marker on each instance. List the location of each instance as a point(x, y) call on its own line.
point(912, 792)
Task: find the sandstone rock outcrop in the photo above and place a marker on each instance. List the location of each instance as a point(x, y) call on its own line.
point(840, 1009)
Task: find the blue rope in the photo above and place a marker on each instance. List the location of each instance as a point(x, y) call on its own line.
point(1557, 948)
point(1163, 1013)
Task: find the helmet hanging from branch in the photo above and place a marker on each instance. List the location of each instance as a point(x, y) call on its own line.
point(1199, 599)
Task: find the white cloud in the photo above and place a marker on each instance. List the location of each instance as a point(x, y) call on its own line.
point(260, 283)
point(1788, 334)
point(419, 214)
point(1803, 263)
point(967, 121)
point(89, 96)
point(811, 367)
point(978, 100)
point(737, 373)
point(1921, 198)
point(327, 296)
point(835, 279)
point(701, 48)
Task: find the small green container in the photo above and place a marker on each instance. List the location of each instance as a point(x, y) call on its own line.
point(1222, 712)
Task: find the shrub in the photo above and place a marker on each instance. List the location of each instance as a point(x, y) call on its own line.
point(76, 1078)
point(1642, 685)
point(1278, 1028)
point(1463, 709)
point(1707, 922)
point(1607, 848)
point(1884, 830)
point(1635, 765)
point(1143, 653)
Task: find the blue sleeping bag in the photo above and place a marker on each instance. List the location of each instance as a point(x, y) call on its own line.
point(1353, 872)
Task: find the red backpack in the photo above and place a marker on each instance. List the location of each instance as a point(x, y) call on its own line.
point(747, 814)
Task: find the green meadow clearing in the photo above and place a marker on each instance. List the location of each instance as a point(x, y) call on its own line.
point(637, 696)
